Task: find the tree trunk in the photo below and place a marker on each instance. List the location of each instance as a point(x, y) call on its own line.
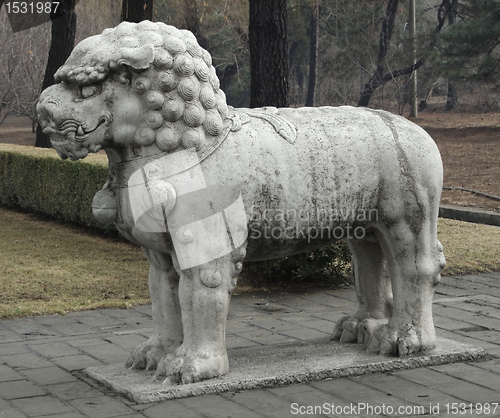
point(370, 87)
point(269, 63)
point(61, 45)
point(227, 74)
point(413, 44)
point(448, 11)
point(313, 54)
point(137, 10)
point(452, 97)
point(384, 39)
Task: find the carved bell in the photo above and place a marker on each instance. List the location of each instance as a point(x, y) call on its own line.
point(105, 206)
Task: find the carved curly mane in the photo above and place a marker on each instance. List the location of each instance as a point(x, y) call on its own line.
point(183, 106)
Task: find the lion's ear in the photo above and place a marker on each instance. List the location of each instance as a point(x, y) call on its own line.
point(137, 58)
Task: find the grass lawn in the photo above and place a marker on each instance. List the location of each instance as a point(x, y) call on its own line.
point(46, 267)
point(469, 248)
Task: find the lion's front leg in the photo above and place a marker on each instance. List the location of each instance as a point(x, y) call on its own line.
point(204, 294)
point(167, 324)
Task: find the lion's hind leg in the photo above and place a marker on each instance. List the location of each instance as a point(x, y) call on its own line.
point(167, 325)
point(373, 290)
point(415, 264)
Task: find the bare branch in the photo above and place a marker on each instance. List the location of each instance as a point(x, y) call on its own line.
point(403, 71)
point(5, 116)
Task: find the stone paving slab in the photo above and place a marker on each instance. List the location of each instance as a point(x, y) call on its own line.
point(279, 365)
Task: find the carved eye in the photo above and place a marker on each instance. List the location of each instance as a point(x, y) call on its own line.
point(90, 91)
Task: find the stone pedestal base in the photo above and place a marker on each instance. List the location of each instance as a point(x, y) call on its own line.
point(280, 365)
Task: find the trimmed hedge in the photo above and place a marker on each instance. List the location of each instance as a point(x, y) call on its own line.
point(37, 180)
point(329, 265)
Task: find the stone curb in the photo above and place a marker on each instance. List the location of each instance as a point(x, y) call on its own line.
point(462, 213)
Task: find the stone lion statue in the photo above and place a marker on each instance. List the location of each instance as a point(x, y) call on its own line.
point(202, 187)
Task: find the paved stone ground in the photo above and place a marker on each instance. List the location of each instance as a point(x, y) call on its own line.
point(41, 359)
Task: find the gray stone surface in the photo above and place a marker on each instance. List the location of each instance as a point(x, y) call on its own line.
point(278, 365)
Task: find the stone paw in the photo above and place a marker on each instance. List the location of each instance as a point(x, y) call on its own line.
point(191, 368)
point(147, 355)
point(367, 328)
point(346, 329)
point(402, 341)
point(351, 329)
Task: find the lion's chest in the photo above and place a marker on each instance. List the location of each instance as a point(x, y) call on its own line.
point(142, 225)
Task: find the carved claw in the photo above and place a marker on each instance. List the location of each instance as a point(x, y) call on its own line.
point(337, 330)
point(400, 341)
point(370, 332)
point(346, 329)
point(135, 363)
point(190, 369)
point(153, 357)
point(147, 355)
point(169, 369)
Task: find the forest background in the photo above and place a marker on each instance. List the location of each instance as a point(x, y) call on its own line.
point(348, 35)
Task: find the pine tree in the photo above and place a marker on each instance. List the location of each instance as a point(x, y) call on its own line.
point(469, 49)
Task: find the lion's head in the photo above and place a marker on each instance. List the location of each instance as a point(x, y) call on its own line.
point(137, 84)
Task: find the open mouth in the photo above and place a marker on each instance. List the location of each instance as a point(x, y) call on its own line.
point(72, 129)
point(82, 132)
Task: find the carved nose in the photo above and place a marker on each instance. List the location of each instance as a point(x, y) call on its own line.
point(45, 110)
point(44, 115)
point(49, 105)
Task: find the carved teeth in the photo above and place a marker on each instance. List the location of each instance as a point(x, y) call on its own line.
point(80, 131)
